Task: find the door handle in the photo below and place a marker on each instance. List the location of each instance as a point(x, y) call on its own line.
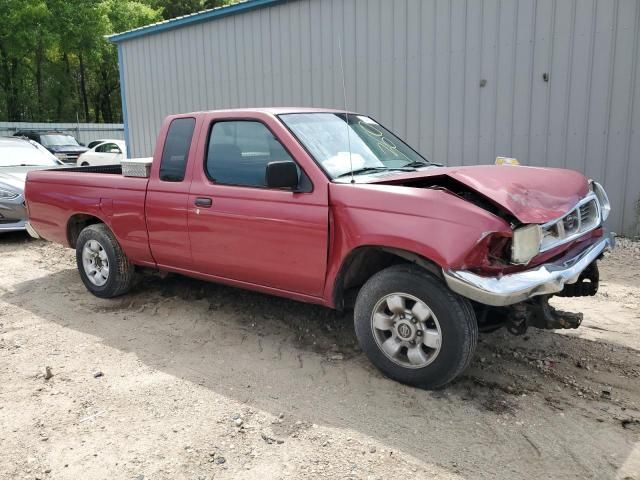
point(203, 202)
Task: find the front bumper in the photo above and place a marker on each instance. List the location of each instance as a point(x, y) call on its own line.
point(18, 226)
point(546, 279)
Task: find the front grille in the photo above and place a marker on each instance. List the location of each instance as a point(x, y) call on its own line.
point(583, 218)
point(587, 211)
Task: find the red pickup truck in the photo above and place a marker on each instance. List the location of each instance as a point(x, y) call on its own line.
point(330, 207)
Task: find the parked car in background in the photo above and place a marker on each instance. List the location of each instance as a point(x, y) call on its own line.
point(109, 152)
point(64, 146)
point(17, 157)
point(93, 143)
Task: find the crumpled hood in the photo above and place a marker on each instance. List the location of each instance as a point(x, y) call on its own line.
point(531, 194)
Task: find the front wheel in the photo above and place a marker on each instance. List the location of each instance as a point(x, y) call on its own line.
point(104, 268)
point(413, 328)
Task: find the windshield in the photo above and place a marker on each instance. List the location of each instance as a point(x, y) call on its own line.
point(17, 155)
point(57, 140)
point(373, 148)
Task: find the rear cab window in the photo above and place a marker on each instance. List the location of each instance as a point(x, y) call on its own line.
point(176, 149)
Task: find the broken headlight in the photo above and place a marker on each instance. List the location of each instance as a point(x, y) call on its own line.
point(603, 199)
point(525, 244)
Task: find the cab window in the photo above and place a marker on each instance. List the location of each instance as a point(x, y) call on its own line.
point(176, 149)
point(239, 152)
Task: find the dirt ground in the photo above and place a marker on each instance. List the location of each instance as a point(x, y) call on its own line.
point(184, 379)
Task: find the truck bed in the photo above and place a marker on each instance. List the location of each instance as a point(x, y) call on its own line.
point(59, 200)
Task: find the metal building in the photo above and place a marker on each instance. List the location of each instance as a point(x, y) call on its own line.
point(550, 82)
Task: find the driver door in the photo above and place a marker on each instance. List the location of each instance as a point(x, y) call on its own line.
point(242, 230)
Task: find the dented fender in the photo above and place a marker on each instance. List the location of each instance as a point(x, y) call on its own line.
point(441, 228)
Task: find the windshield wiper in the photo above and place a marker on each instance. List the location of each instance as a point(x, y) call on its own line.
point(358, 171)
point(422, 163)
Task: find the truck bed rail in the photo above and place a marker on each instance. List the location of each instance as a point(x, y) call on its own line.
point(110, 169)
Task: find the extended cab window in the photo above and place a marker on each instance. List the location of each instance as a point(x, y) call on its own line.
point(176, 149)
point(239, 152)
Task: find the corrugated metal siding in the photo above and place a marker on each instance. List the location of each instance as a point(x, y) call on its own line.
point(84, 132)
point(417, 66)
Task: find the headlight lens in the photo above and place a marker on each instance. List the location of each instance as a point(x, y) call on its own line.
point(8, 195)
point(603, 199)
point(525, 244)
point(61, 156)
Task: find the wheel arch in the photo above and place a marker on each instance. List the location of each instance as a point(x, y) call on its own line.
point(363, 262)
point(77, 222)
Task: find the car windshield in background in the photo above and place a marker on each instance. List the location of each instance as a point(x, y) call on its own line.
point(25, 155)
point(57, 140)
point(373, 148)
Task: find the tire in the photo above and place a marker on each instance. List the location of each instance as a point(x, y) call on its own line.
point(448, 326)
point(84, 164)
point(97, 248)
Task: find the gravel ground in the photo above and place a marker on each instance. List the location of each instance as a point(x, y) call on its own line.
point(184, 379)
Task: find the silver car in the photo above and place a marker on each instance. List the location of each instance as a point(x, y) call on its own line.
point(17, 157)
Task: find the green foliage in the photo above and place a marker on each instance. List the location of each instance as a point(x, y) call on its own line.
point(178, 8)
point(55, 64)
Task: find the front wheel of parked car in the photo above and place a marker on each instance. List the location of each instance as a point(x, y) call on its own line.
point(413, 328)
point(104, 268)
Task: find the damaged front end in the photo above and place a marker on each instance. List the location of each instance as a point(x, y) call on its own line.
point(521, 300)
point(546, 279)
point(537, 312)
point(553, 238)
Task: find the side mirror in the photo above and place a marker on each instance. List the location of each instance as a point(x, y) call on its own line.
point(282, 175)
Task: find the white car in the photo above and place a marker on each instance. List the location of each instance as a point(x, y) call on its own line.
point(109, 152)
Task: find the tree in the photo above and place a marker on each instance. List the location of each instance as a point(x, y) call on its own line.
point(216, 3)
point(178, 8)
point(55, 64)
point(20, 32)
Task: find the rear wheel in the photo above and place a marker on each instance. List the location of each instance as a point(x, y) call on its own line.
point(413, 328)
point(104, 268)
